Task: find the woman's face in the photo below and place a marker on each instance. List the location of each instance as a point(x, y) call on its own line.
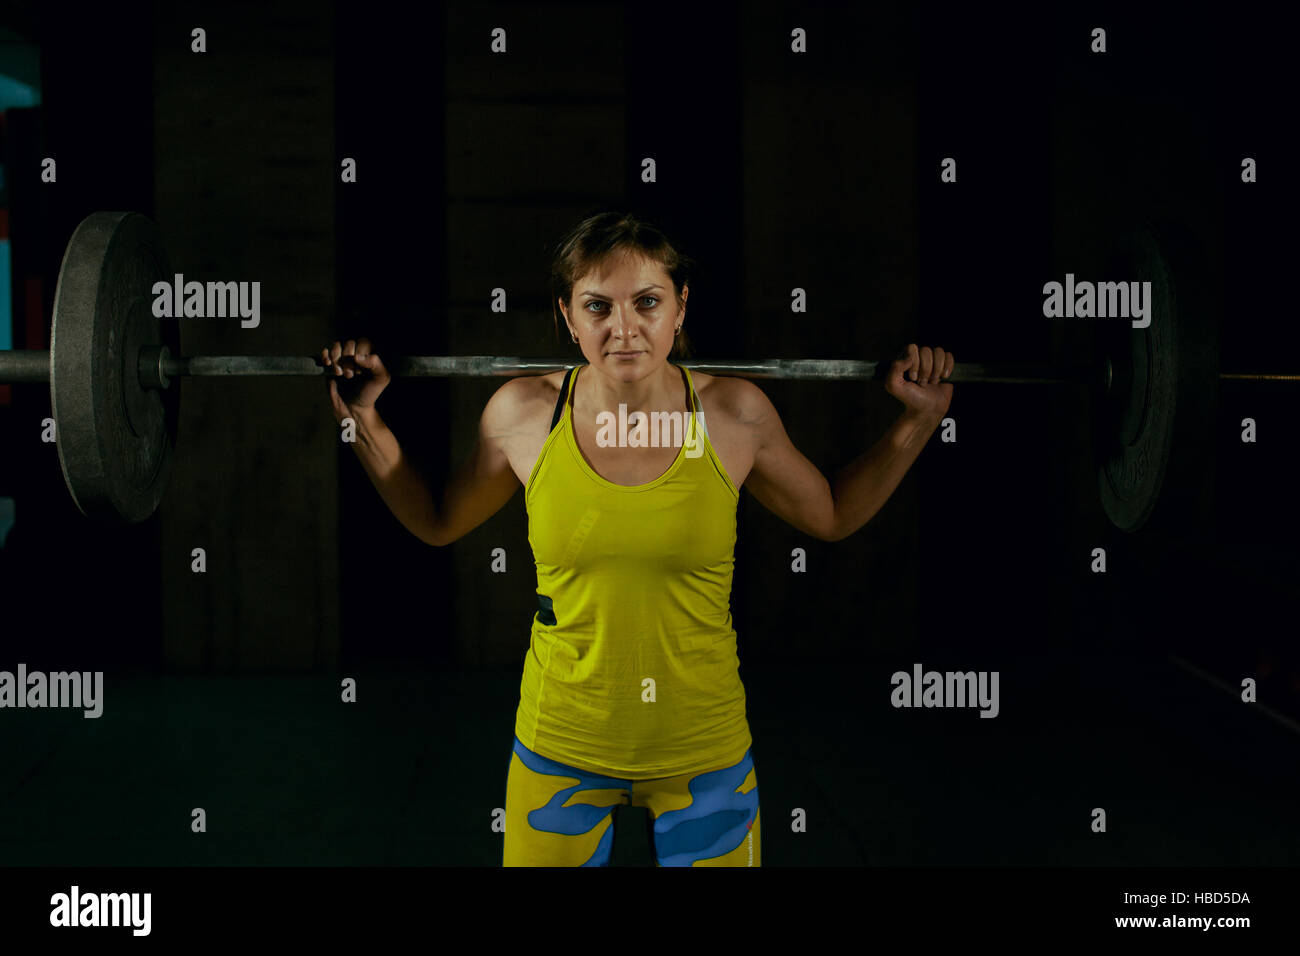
point(625, 316)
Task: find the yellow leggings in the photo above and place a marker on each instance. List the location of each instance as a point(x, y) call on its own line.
point(557, 815)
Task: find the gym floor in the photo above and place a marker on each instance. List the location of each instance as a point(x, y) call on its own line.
point(410, 776)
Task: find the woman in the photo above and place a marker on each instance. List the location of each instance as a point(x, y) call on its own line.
point(631, 692)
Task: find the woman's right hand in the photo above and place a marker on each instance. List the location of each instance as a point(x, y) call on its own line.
point(358, 376)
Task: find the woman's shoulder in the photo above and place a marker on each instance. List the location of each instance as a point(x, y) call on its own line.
point(520, 400)
point(730, 397)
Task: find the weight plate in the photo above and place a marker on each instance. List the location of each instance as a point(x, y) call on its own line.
point(114, 436)
point(1154, 433)
point(1136, 421)
point(1135, 425)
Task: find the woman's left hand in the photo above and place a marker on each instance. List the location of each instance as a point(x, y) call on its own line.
point(914, 380)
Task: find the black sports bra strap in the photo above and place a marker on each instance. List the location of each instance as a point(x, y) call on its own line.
point(564, 394)
point(691, 404)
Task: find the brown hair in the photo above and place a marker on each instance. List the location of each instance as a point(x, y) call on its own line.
point(588, 244)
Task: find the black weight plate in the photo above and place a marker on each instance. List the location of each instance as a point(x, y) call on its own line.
point(1137, 415)
point(1154, 430)
point(114, 437)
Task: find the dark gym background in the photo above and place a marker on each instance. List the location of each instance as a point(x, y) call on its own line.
point(775, 170)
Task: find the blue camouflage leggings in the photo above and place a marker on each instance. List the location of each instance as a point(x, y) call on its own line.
point(557, 815)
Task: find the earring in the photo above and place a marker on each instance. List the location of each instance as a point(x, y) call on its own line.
point(677, 331)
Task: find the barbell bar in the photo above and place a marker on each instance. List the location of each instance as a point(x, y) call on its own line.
point(157, 366)
point(109, 370)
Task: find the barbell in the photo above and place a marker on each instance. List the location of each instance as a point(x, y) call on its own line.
point(156, 366)
point(109, 370)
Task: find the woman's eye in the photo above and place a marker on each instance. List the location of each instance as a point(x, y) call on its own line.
point(652, 298)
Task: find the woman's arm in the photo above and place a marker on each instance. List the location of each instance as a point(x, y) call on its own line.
point(792, 488)
point(486, 480)
point(478, 490)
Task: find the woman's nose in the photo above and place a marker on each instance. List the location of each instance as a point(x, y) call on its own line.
point(624, 323)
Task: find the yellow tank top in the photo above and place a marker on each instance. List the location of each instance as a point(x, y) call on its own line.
point(631, 670)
